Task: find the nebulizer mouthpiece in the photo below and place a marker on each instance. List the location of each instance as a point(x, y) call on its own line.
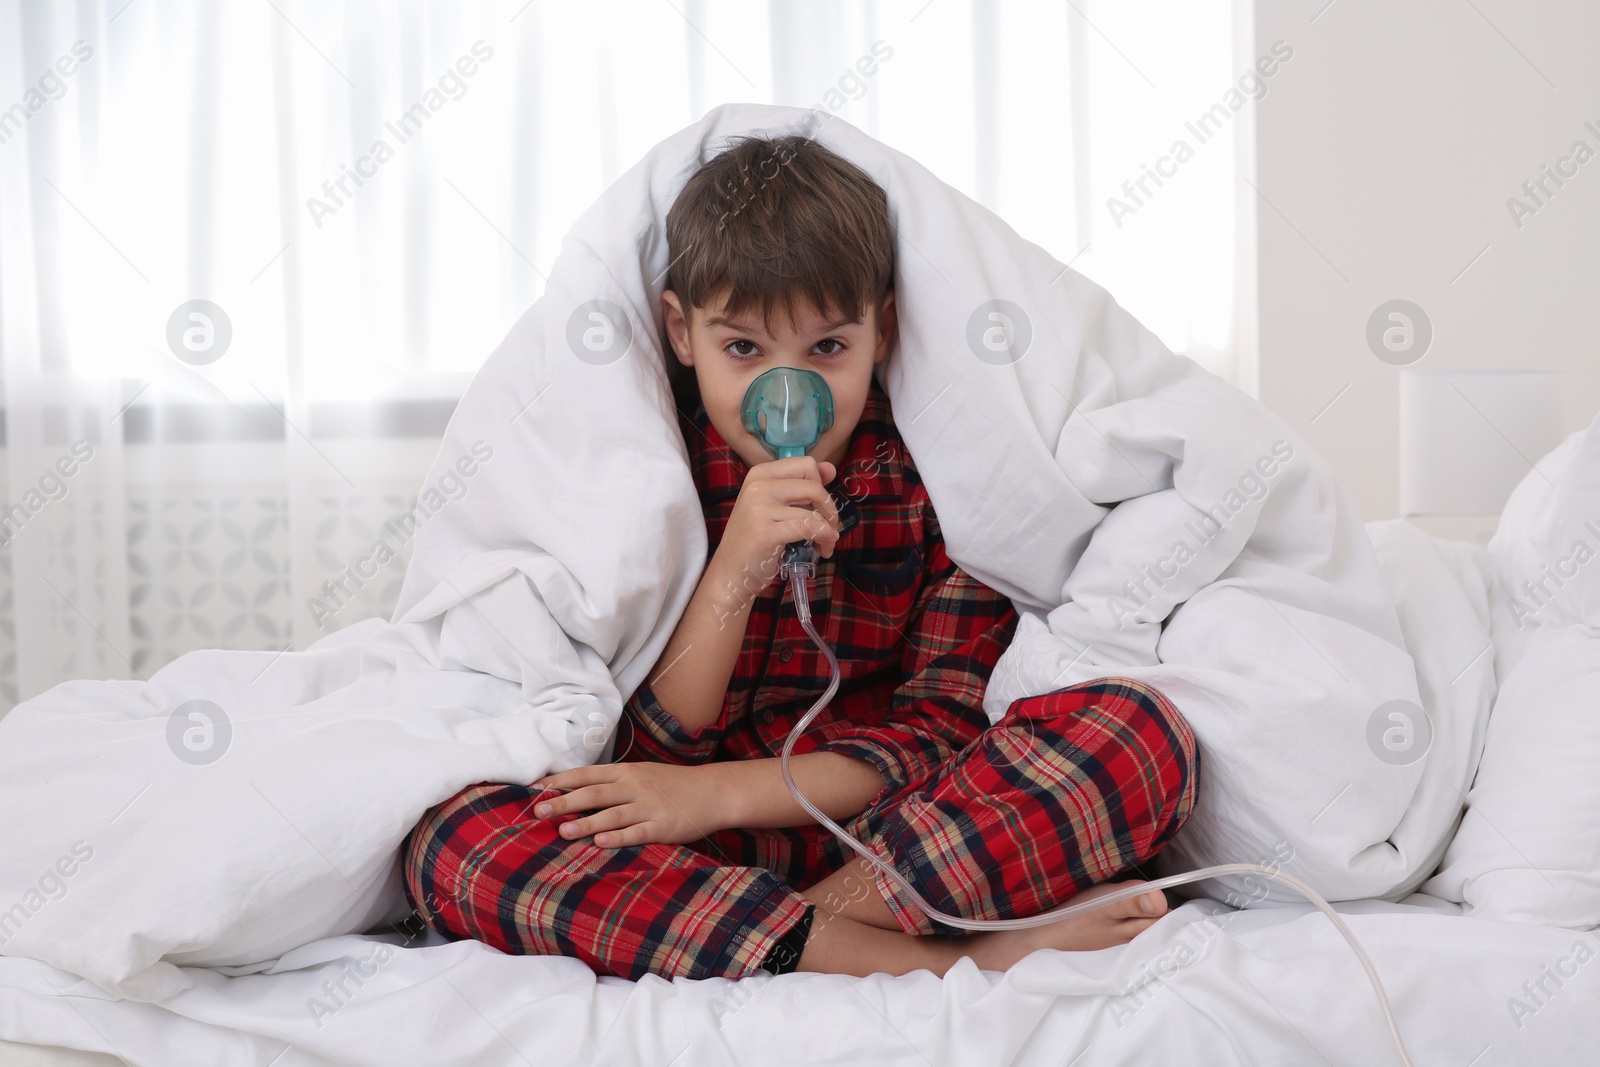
point(788, 409)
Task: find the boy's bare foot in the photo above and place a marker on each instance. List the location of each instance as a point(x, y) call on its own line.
point(1114, 924)
point(838, 944)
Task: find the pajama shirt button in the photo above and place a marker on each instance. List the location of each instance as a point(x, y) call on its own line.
point(766, 716)
point(786, 655)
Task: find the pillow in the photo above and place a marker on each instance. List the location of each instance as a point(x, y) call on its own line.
point(1528, 848)
point(1546, 550)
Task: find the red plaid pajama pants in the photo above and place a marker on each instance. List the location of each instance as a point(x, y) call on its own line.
point(1067, 790)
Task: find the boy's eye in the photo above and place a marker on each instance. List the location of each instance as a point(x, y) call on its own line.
point(830, 346)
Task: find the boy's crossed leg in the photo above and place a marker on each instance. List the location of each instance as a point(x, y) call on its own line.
point(1069, 789)
point(1066, 791)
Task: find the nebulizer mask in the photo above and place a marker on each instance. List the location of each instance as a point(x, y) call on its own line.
point(788, 409)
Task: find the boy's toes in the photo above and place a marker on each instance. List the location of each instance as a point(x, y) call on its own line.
point(1146, 906)
point(1151, 905)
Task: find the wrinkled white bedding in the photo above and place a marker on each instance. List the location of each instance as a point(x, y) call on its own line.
point(1206, 985)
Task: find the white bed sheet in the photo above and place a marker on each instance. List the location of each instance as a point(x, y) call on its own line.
point(14, 1055)
point(1205, 985)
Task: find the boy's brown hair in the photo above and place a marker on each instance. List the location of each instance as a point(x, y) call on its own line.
point(779, 218)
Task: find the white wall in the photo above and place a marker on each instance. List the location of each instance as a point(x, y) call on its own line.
point(1385, 153)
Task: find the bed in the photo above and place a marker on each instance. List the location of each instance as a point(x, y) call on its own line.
point(1206, 985)
point(207, 872)
point(1265, 983)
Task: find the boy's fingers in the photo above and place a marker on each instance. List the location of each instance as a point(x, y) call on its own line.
point(794, 467)
point(810, 498)
point(620, 838)
point(600, 795)
point(822, 534)
point(817, 524)
point(557, 780)
point(822, 502)
point(589, 774)
point(811, 527)
point(611, 820)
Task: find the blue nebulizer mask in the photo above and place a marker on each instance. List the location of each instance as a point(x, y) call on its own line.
point(788, 409)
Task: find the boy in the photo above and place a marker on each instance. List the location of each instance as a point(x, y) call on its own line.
point(687, 856)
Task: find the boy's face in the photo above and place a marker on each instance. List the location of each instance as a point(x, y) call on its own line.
point(727, 355)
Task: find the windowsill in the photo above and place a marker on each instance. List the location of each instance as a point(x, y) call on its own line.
point(191, 422)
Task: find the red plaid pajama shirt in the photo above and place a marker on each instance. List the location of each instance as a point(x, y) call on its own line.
point(1069, 789)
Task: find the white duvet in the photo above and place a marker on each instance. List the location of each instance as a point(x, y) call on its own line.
point(1072, 463)
point(1206, 985)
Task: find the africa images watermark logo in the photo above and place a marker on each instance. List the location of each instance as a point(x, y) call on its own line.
point(338, 191)
point(1203, 127)
point(340, 591)
point(1254, 484)
point(52, 86)
point(53, 485)
point(1537, 593)
point(1156, 973)
point(1538, 991)
point(51, 885)
point(1550, 181)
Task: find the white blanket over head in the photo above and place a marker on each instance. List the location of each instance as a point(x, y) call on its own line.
point(1146, 518)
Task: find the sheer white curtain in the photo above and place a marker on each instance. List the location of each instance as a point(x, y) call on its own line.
point(251, 252)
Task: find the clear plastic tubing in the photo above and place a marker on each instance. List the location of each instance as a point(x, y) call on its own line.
point(799, 576)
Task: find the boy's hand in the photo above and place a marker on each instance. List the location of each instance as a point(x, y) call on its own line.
point(638, 803)
point(770, 513)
